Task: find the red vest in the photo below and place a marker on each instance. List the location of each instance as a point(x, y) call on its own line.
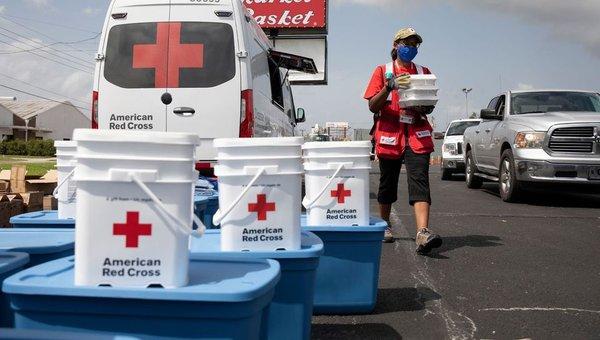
point(391, 136)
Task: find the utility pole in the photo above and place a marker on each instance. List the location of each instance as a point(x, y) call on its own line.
point(466, 91)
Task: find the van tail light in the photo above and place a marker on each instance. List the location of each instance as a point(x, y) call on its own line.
point(205, 169)
point(95, 110)
point(247, 115)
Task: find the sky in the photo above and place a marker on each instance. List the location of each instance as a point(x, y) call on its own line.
point(488, 45)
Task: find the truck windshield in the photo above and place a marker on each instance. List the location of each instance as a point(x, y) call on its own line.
point(554, 101)
point(174, 55)
point(458, 128)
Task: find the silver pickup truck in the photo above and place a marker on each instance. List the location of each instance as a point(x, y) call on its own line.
point(535, 136)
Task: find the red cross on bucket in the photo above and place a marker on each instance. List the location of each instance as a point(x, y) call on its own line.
point(168, 55)
point(132, 229)
point(340, 193)
point(261, 207)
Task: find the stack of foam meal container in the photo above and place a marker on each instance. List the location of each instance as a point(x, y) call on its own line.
point(65, 193)
point(260, 182)
point(337, 205)
point(131, 273)
point(423, 91)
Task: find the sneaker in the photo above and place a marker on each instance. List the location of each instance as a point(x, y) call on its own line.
point(388, 236)
point(426, 241)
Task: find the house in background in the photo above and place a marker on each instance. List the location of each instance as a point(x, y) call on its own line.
point(40, 119)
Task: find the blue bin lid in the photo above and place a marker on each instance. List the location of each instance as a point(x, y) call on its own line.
point(44, 334)
point(375, 225)
point(37, 240)
point(210, 280)
point(210, 244)
point(41, 217)
point(10, 261)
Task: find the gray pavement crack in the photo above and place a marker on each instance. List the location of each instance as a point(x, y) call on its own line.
point(458, 325)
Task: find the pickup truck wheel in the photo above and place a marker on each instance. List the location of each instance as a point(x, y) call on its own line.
point(510, 188)
point(446, 174)
point(473, 182)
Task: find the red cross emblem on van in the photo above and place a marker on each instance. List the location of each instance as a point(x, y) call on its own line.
point(132, 229)
point(168, 55)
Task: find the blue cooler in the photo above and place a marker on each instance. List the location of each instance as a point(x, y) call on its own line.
point(291, 310)
point(42, 245)
point(10, 263)
point(41, 219)
point(225, 299)
point(200, 205)
point(348, 273)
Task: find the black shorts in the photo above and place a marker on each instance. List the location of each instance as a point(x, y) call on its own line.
point(417, 171)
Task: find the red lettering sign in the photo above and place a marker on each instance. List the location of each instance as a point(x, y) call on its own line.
point(289, 13)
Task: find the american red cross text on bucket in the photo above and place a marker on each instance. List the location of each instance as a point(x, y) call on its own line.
point(132, 229)
point(340, 193)
point(168, 55)
point(261, 207)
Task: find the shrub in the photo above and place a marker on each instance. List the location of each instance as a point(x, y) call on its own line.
point(43, 148)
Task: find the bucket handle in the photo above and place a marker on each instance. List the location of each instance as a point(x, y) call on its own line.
point(69, 175)
point(182, 226)
point(309, 203)
point(219, 216)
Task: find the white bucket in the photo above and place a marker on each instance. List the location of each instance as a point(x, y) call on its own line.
point(259, 193)
point(66, 189)
point(134, 207)
point(337, 183)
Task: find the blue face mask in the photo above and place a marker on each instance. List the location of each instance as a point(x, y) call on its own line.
point(407, 53)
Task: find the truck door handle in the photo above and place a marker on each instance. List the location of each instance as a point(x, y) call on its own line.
point(184, 111)
point(477, 131)
point(487, 130)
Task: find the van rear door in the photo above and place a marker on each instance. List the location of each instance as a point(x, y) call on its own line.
point(130, 87)
point(203, 74)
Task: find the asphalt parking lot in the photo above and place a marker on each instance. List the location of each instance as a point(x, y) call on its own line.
point(524, 270)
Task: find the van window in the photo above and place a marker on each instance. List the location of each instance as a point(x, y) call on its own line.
point(176, 54)
point(276, 83)
point(288, 101)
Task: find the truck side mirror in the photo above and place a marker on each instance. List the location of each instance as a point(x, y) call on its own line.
point(489, 114)
point(300, 115)
point(439, 135)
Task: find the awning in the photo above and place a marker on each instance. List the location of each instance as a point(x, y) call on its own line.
point(294, 62)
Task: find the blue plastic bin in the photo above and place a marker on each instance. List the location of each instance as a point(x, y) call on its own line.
point(348, 272)
point(225, 299)
point(28, 334)
point(10, 263)
point(41, 219)
point(42, 245)
point(291, 310)
point(206, 204)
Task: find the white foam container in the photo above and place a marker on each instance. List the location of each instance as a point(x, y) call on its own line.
point(407, 103)
point(423, 91)
point(423, 80)
point(66, 190)
point(137, 183)
point(337, 183)
point(259, 193)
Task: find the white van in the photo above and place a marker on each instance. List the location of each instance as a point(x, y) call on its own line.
point(200, 66)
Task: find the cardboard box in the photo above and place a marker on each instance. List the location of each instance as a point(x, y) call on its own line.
point(46, 184)
point(50, 203)
point(4, 187)
point(33, 201)
point(10, 205)
point(17, 178)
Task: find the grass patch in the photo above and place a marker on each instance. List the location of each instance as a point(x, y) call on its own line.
point(33, 169)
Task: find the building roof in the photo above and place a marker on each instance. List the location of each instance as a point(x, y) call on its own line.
point(27, 109)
